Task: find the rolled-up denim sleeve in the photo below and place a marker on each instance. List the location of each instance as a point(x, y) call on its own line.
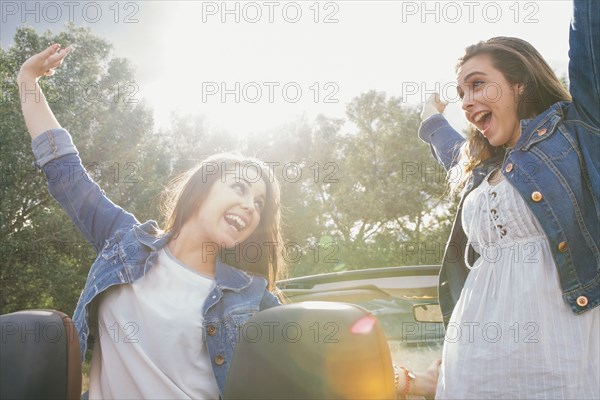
point(443, 140)
point(584, 59)
point(51, 145)
point(80, 197)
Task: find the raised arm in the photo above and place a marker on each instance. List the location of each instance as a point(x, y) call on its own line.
point(584, 59)
point(38, 115)
point(68, 182)
point(435, 130)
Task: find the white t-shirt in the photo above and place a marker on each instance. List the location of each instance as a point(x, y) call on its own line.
point(151, 343)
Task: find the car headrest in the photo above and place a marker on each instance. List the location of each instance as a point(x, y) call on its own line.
point(311, 350)
point(39, 356)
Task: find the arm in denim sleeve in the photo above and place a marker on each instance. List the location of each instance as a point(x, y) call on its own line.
point(584, 59)
point(91, 211)
point(443, 140)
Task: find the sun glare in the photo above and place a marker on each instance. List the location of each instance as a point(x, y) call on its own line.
point(223, 71)
point(249, 76)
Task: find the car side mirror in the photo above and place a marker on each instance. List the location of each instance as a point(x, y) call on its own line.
point(427, 312)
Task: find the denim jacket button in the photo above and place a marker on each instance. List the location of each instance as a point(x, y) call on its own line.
point(563, 246)
point(582, 301)
point(536, 196)
point(540, 132)
point(509, 167)
point(219, 360)
point(211, 330)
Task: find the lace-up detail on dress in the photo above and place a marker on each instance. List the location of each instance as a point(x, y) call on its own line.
point(498, 216)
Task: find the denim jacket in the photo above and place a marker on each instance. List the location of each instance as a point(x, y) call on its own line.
point(127, 249)
point(555, 166)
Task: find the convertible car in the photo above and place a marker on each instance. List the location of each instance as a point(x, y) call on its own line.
point(336, 338)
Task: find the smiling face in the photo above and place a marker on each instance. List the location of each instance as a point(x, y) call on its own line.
point(490, 102)
point(226, 202)
point(229, 214)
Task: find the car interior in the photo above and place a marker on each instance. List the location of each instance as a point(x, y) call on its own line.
point(306, 350)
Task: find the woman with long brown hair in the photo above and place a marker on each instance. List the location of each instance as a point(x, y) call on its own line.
point(162, 308)
point(520, 279)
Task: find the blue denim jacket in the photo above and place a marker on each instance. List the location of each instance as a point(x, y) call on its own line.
point(557, 157)
point(127, 249)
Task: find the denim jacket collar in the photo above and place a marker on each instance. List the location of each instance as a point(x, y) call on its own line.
point(481, 172)
point(231, 278)
point(226, 277)
point(149, 234)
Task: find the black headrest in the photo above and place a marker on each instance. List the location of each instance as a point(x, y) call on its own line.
point(39, 356)
point(311, 350)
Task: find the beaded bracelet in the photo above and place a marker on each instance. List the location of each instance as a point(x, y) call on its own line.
point(408, 375)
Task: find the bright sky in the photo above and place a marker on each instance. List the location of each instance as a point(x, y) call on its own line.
point(253, 66)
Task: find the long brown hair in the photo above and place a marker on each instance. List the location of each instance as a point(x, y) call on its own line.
point(520, 63)
point(261, 253)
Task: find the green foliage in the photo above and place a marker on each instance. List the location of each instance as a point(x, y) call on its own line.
point(383, 200)
point(44, 259)
point(357, 193)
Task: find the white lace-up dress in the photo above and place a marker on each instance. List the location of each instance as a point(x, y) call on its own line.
point(511, 334)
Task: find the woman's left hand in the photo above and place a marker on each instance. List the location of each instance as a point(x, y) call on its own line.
point(426, 382)
point(433, 105)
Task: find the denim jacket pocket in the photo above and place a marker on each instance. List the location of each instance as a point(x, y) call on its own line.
point(235, 322)
point(555, 147)
point(126, 254)
point(110, 249)
point(127, 251)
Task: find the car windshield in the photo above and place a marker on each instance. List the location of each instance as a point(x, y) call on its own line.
point(390, 295)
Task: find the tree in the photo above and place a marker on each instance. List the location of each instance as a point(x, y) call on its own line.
point(369, 197)
point(44, 260)
point(386, 202)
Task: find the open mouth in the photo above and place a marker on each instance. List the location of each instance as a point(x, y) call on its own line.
point(482, 121)
point(235, 221)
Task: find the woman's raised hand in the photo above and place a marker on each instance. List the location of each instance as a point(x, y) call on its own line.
point(36, 111)
point(44, 63)
point(433, 105)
